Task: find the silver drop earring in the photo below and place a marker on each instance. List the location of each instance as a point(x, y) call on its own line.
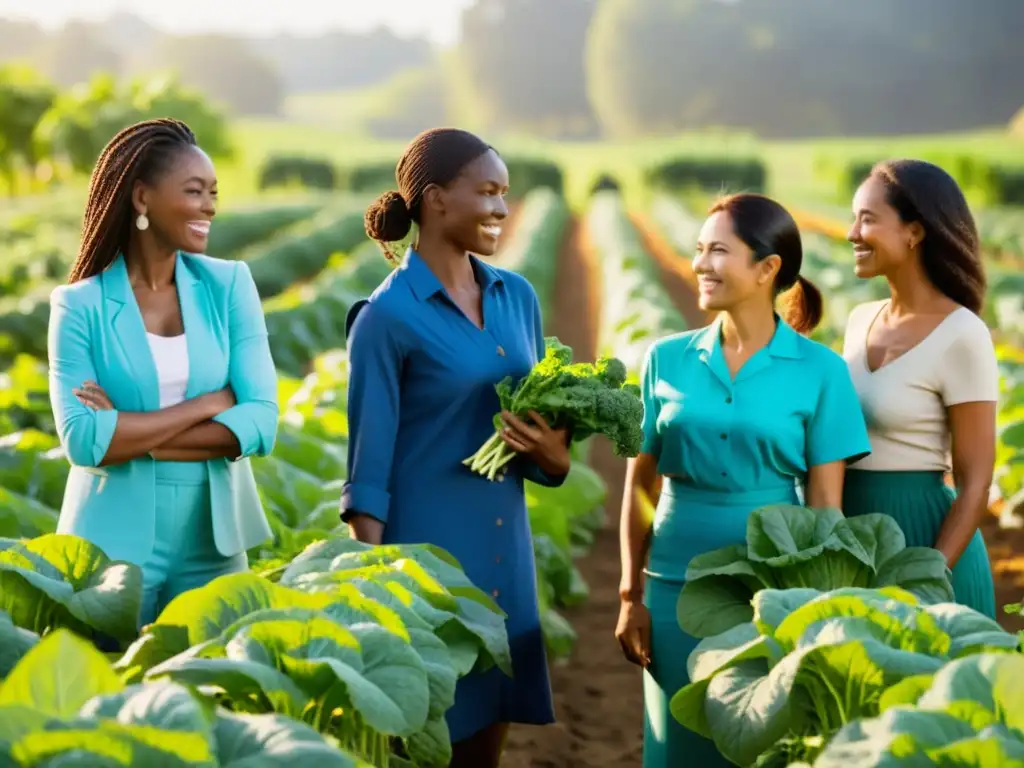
point(142, 223)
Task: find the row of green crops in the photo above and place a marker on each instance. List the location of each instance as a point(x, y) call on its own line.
point(351, 651)
point(563, 520)
point(635, 307)
point(25, 307)
point(1009, 474)
point(325, 643)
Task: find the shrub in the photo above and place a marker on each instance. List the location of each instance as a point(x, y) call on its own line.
point(715, 174)
point(282, 170)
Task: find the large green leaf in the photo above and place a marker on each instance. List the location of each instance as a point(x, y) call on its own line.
point(810, 663)
point(15, 642)
point(970, 713)
point(58, 676)
point(58, 580)
point(791, 547)
point(269, 741)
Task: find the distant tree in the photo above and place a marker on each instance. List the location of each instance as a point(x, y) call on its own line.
point(24, 99)
point(659, 66)
point(19, 39)
point(804, 67)
point(412, 101)
point(75, 53)
point(83, 120)
point(226, 69)
point(339, 60)
point(521, 65)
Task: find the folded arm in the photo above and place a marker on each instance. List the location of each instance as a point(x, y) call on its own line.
point(95, 438)
point(208, 440)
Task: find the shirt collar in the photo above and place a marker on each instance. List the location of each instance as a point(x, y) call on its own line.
point(424, 282)
point(785, 341)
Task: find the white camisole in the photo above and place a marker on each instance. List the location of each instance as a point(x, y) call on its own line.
point(170, 354)
point(905, 401)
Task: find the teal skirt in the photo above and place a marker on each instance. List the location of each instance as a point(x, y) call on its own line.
point(919, 503)
point(688, 522)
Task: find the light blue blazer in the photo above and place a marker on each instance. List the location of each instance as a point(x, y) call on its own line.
point(96, 332)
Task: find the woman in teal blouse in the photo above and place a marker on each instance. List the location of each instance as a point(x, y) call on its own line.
point(737, 416)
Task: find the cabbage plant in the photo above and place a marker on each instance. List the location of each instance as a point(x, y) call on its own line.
point(777, 688)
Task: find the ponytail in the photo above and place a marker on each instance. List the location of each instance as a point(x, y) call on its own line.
point(804, 306)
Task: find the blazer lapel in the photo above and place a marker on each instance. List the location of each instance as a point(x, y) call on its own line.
point(197, 318)
point(129, 333)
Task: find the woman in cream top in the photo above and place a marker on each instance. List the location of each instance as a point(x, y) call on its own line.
point(924, 367)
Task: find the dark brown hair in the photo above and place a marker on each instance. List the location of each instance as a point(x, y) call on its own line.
point(951, 250)
point(767, 228)
point(436, 156)
point(140, 152)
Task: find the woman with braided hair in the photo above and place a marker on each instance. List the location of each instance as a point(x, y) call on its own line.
point(425, 351)
point(161, 379)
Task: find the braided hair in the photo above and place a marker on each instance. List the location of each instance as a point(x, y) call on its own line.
point(140, 152)
point(436, 156)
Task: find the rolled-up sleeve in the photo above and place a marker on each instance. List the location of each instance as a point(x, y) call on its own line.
point(375, 356)
point(254, 417)
point(84, 434)
point(530, 470)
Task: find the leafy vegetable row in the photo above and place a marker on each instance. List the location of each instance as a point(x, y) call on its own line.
point(361, 644)
point(635, 307)
point(38, 256)
point(818, 622)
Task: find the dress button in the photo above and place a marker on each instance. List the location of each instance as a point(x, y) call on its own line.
point(724, 436)
point(497, 559)
point(728, 399)
point(501, 351)
point(498, 522)
point(495, 593)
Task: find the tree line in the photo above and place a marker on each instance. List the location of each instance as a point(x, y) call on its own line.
point(610, 69)
point(44, 129)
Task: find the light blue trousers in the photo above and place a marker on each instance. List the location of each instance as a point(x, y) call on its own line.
point(184, 553)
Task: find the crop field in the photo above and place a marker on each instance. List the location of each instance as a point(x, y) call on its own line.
point(343, 654)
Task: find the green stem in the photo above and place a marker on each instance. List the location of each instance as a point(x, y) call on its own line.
point(479, 459)
point(500, 460)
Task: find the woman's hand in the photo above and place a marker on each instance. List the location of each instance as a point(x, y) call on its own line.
point(92, 395)
point(634, 632)
point(548, 447)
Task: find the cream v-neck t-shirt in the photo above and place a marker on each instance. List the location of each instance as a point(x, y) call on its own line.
point(905, 401)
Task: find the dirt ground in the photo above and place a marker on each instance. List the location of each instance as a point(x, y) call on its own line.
point(598, 697)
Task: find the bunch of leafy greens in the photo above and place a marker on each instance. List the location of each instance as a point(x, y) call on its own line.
point(969, 713)
point(789, 546)
point(775, 690)
point(586, 398)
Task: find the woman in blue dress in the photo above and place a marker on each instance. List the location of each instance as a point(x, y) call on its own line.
point(425, 351)
point(737, 415)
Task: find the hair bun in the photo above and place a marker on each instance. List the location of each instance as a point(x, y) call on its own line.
point(387, 220)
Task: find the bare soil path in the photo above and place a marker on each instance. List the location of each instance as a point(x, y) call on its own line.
point(598, 698)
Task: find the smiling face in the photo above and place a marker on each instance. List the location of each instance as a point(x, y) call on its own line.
point(727, 274)
point(181, 202)
point(472, 208)
point(882, 242)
